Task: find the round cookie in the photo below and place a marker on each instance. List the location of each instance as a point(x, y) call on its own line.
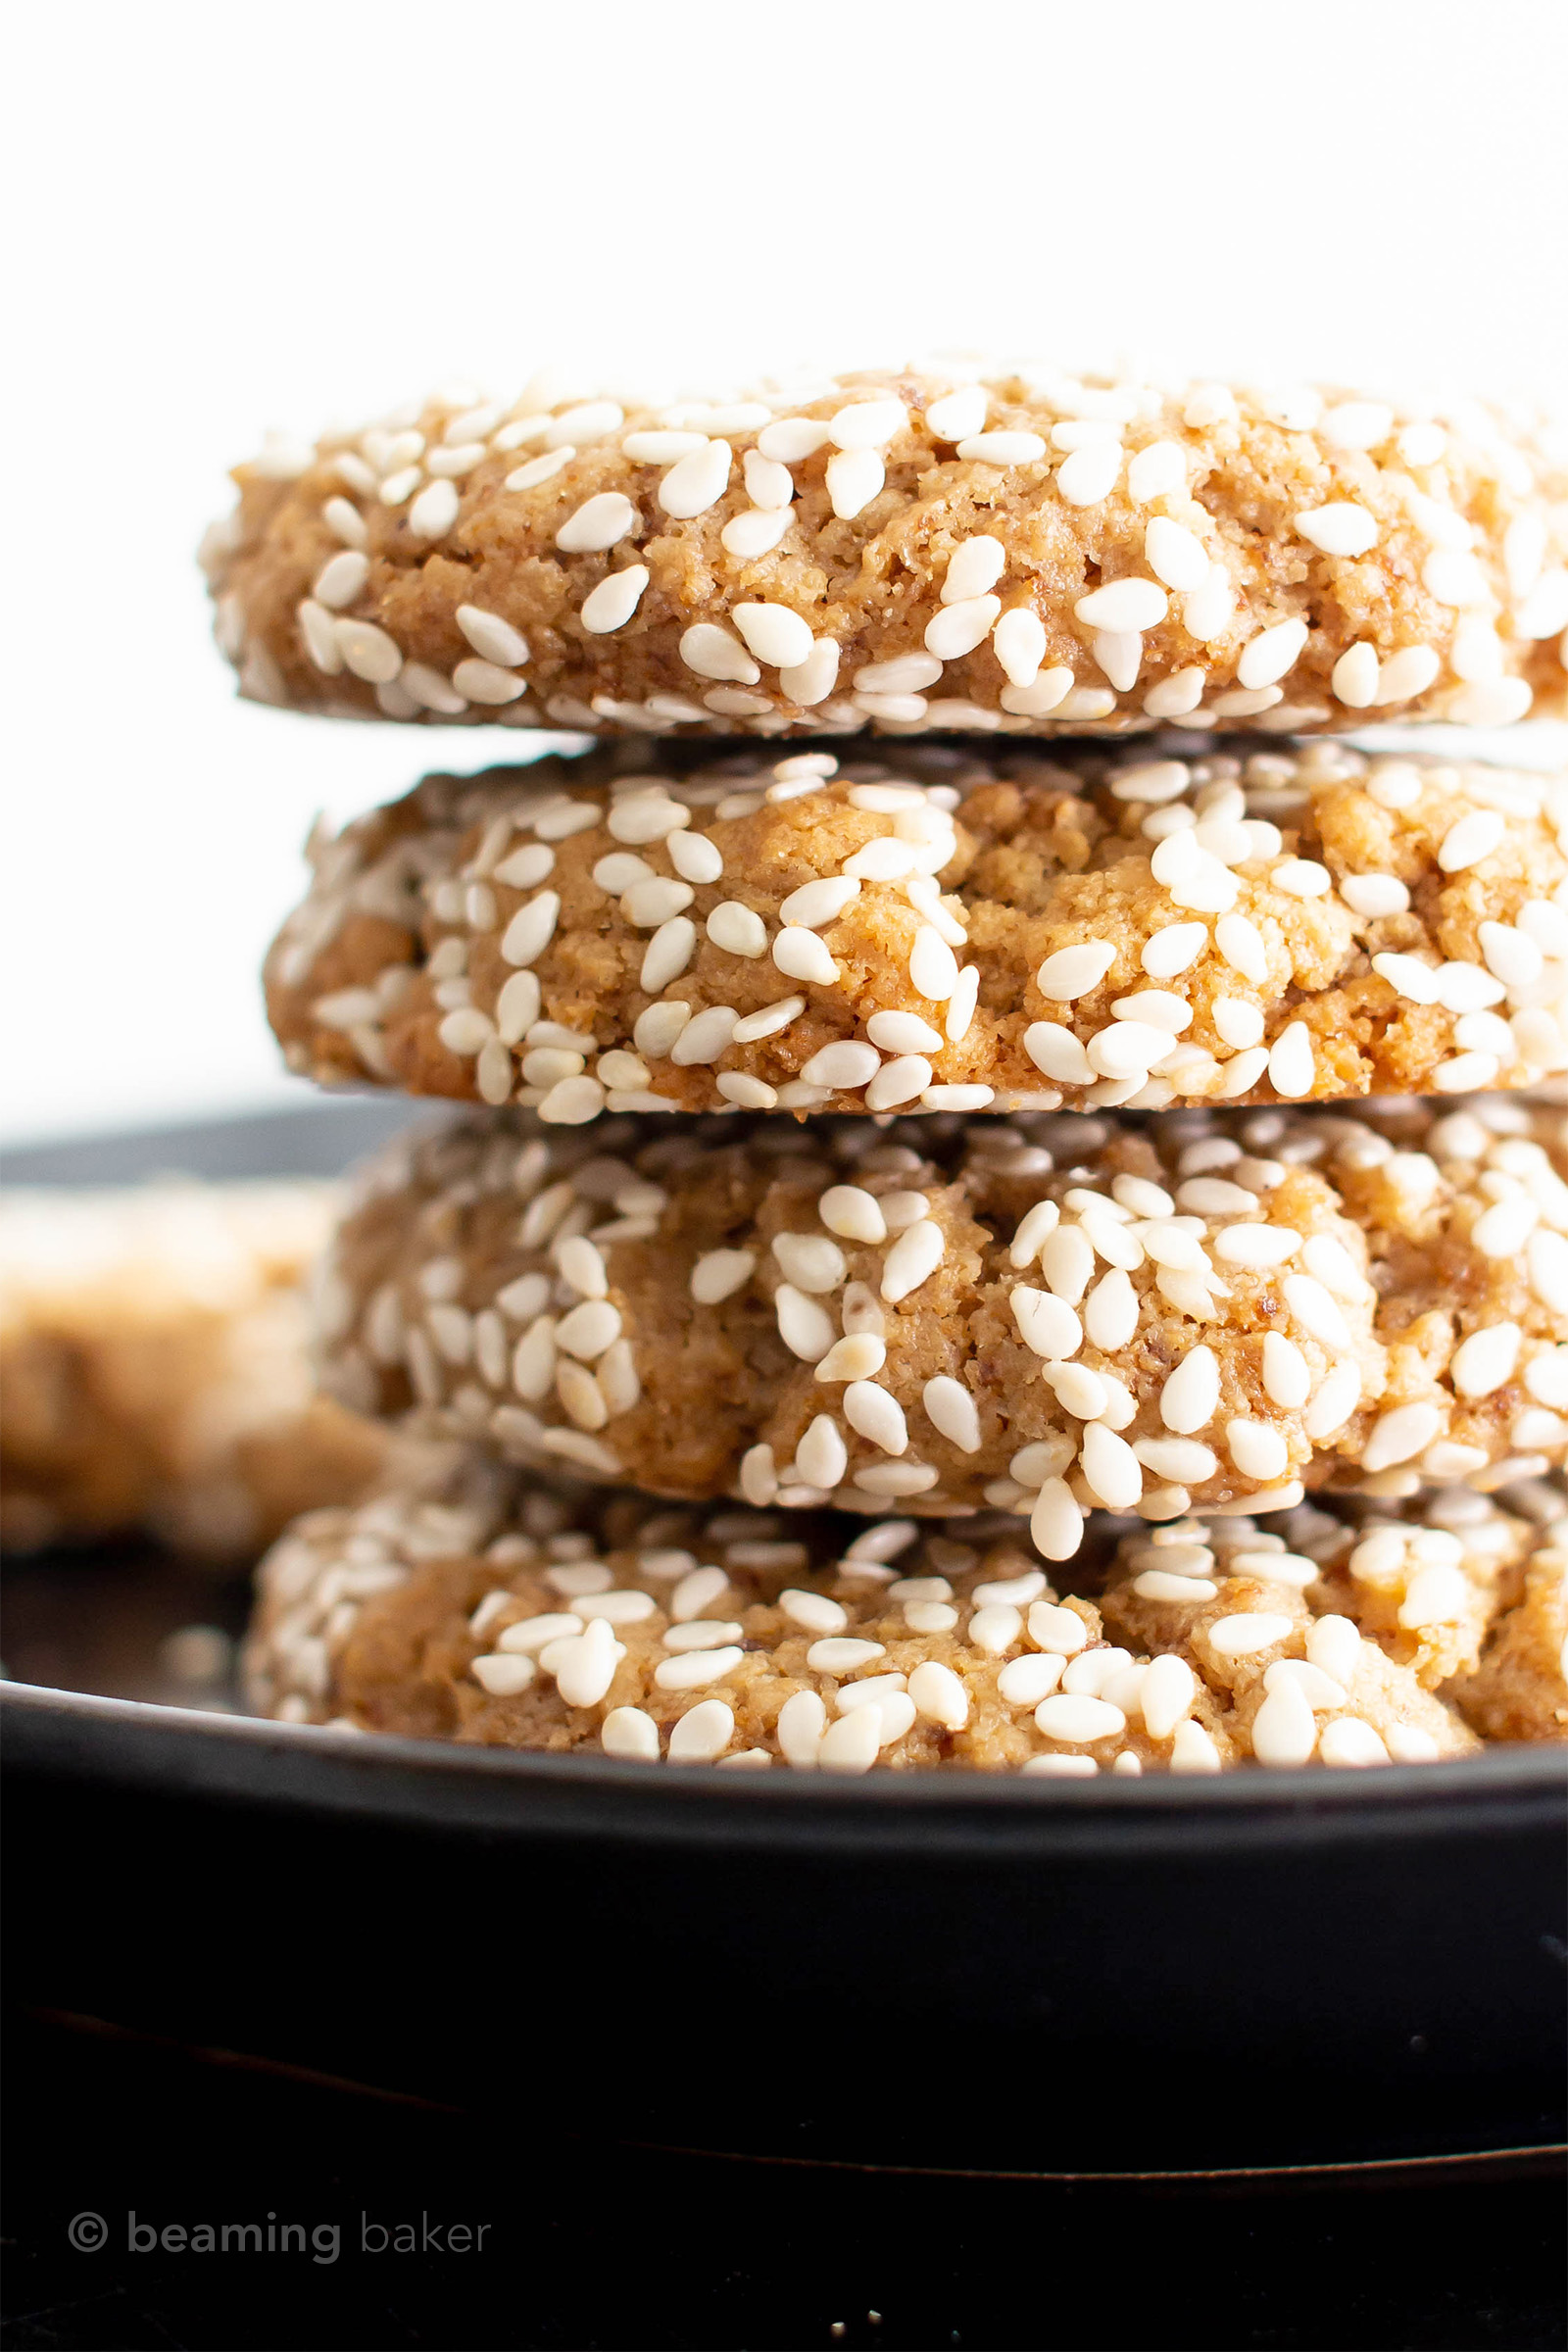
point(1198, 1311)
point(651, 930)
point(901, 548)
point(497, 1612)
point(154, 1369)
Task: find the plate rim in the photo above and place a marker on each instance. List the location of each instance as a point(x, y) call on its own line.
point(320, 1770)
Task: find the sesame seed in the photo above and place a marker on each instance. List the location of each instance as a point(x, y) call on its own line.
point(531, 929)
point(539, 470)
point(1001, 449)
point(612, 603)
point(630, 1733)
point(912, 1260)
point(1128, 605)
point(1271, 654)
point(1348, 1741)
point(1474, 838)
point(702, 1733)
point(596, 523)
point(1089, 475)
point(854, 478)
point(822, 902)
point(957, 415)
point(667, 954)
point(713, 652)
point(957, 628)
point(482, 682)
point(368, 651)
point(773, 633)
point(769, 1020)
point(434, 511)
point(695, 482)
point(975, 566)
point(867, 425)
point(1342, 529)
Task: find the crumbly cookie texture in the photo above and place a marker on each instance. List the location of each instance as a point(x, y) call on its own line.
point(1048, 1314)
point(489, 1610)
point(646, 930)
point(156, 1372)
point(902, 550)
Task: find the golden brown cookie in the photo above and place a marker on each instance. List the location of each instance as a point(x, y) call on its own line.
point(155, 1370)
point(1041, 1315)
point(483, 1607)
point(657, 930)
point(1028, 551)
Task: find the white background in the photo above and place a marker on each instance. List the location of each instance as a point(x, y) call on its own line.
point(230, 218)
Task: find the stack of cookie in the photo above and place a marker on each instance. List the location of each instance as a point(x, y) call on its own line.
point(967, 1249)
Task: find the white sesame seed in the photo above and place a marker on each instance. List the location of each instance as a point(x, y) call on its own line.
point(1124, 606)
point(1342, 529)
point(1268, 655)
point(596, 523)
point(1090, 473)
point(572, 1102)
point(539, 470)
point(1355, 676)
point(854, 478)
point(661, 448)
point(912, 1260)
point(1174, 555)
point(434, 511)
point(856, 1357)
point(482, 682)
point(905, 675)
point(667, 954)
point(368, 651)
point(695, 482)
point(957, 628)
point(1376, 894)
point(790, 439)
point(1472, 839)
point(1207, 612)
point(876, 1415)
point(1190, 1393)
point(702, 1733)
point(713, 652)
point(1408, 672)
point(1002, 449)
point(845, 1064)
point(975, 566)
point(320, 633)
point(341, 577)
point(629, 1732)
point(822, 902)
point(1291, 1066)
point(1078, 1720)
point(754, 532)
point(769, 1020)
point(737, 929)
point(867, 425)
point(612, 603)
point(1020, 643)
point(773, 633)
point(957, 415)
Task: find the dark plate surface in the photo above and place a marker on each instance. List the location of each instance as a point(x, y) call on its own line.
point(1067, 1978)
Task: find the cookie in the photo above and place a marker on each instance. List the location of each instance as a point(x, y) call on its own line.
point(650, 930)
point(902, 550)
point(154, 1369)
point(1201, 1310)
point(491, 1610)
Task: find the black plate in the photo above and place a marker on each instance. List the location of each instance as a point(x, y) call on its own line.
point(1258, 1972)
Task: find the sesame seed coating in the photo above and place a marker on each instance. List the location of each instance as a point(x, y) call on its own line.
point(653, 929)
point(1281, 558)
point(156, 1372)
point(472, 1604)
point(1045, 1315)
